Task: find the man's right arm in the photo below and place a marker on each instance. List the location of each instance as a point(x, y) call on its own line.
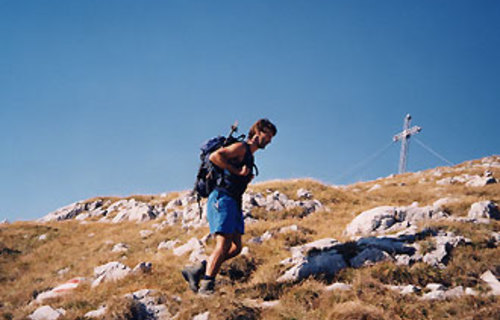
point(223, 156)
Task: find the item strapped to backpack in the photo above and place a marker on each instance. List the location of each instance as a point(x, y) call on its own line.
point(209, 175)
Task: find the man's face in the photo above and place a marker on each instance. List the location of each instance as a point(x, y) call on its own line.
point(264, 138)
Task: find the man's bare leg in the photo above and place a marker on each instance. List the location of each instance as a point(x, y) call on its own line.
point(223, 243)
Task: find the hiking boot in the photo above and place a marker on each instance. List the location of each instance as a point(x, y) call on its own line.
point(207, 287)
point(193, 274)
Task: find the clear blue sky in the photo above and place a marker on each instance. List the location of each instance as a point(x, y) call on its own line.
point(102, 97)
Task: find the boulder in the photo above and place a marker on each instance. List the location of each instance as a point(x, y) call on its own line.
point(385, 219)
point(444, 243)
point(111, 271)
point(150, 307)
point(492, 281)
point(327, 262)
point(369, 256)
point(478, 181)
point(47, 313)
point(373, 220)
point(60, 290)
point(484, 209)
point(191, 245)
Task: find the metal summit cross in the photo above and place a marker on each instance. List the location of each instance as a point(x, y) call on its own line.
point(404, 136)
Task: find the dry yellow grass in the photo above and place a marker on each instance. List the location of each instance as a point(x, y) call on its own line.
point(29, 266)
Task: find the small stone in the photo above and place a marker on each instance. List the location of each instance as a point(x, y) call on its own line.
point(202, 316)
point(303, 193)
point(120, 247)
point(143, 267)
point(168, 244)
point(99, 313)
point(145, 233)
point(338, 286)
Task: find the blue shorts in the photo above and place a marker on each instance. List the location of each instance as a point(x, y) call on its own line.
point(224, 214)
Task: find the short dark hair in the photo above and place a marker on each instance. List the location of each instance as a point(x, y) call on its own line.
point(262, 125)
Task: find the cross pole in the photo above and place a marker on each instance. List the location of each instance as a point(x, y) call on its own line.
point(404, 137)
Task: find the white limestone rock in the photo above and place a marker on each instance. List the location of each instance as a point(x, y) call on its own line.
point(492, 281)
point(143, 267)
point(404, 290)
point(328, 262)
point(484, 209)
point(47, 313)
point(478, 181)
point(191, 245)
point(111, 271)
point(202, 316)
point(313, 258)
point(384, 219)
point(170, 244)
point(375, 187)
point(60, 290)
point(99, 313)
point(120, 247)
point(369, 256)
point(376, 219)
point(145, 233)
point(304, 194)
point(150, 306)
point(435, 287)
point(72, 211)
point(132, 210)
point(338, 286)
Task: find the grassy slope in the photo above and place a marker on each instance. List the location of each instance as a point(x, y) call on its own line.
point(31, 266)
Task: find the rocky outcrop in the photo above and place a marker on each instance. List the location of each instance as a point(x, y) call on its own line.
point(131, 210)
point(387, 218)
point(278, 201)
point(470, 180)
point(328, 256)
point(484, 209)
point(71, 211)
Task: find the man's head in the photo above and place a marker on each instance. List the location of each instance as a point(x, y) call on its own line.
point(262, 132)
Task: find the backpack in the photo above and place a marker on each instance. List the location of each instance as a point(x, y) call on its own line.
point(210, 176)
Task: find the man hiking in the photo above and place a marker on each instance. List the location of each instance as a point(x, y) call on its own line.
point(224, 204)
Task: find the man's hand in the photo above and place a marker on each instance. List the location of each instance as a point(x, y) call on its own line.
point(244, 171)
